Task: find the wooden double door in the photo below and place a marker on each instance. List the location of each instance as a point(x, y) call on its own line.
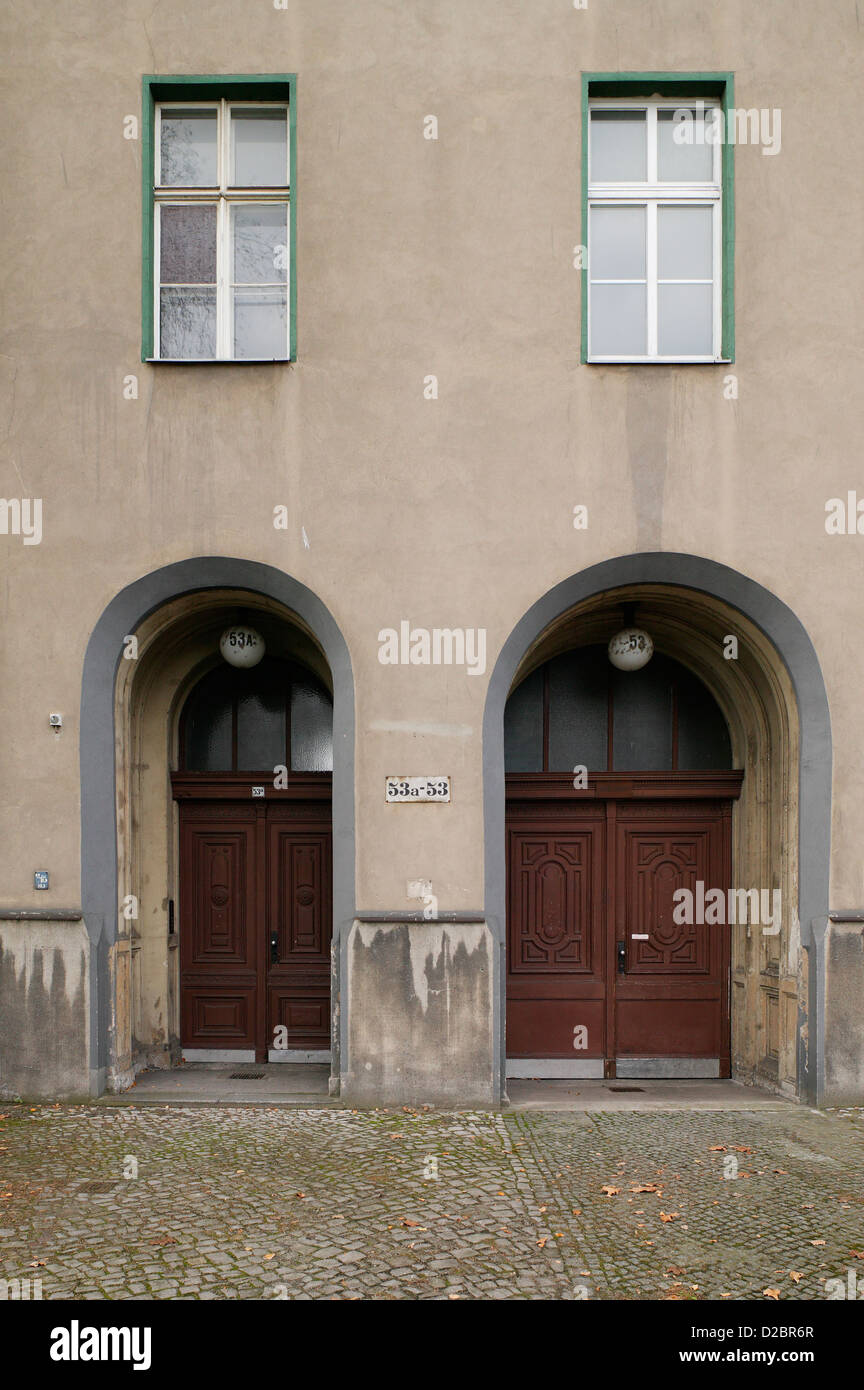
point(255, 922)
point(599, 972)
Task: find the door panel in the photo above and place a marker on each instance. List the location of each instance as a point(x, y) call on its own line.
point(672, 996)
point(300, 918)
point(218, 966)
point(555, 957)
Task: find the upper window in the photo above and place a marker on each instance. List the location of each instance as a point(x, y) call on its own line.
point(654, 230)
point(221, 226)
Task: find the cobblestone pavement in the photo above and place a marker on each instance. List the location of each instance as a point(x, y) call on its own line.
point(257, 1203)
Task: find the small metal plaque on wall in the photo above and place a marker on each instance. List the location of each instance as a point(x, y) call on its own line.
point(406, 789)
point(257, 791)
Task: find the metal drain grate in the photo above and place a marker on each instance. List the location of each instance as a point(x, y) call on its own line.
point(640, 1089)
point(95, 1185)
point(246, 1076)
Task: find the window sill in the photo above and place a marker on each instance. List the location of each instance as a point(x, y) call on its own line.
point(658, 361)
point(216, 361)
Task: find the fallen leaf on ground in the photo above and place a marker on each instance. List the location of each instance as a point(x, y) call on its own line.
point(817, 1242)
point(610, 1190)
point(772, 1293)
point(717, 1149)
point(793, 1274)
point(669, 1215)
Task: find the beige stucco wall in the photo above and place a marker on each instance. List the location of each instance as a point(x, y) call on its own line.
point(451, 257)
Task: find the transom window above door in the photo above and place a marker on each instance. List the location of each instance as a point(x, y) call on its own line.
point(277, 714)
point(578, 710)
point(221, 230)
point(654, 230)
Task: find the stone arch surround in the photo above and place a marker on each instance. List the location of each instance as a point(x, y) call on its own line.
point(786, 659)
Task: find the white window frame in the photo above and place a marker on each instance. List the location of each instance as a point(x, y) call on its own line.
point(652, 194)
point(224, 196)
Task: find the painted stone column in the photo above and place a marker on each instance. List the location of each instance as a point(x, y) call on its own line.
point(418, 1001)
point(844, 1009)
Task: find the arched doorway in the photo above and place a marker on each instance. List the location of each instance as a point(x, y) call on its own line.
point(151, 646)
point(254, 911)
point(773, 700)
point(620, 788)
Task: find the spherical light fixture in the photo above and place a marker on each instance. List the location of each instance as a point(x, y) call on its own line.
point(631, 649)
point(242, 646)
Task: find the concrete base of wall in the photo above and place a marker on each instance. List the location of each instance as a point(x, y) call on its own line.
point(44, 1010)
point(419, 999)
point(844, 1013)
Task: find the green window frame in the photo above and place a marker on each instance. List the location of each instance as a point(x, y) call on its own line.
point(710, 86)
point(277, 87)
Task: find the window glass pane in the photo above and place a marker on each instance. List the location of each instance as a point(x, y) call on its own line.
point(311, 728)
point(260, 729)
point(187, 237)
point(188, 148)
point(523, 726)
point(617, 250)
point(208, 728)
point(259, 147)
point(260, 323)
point(684, 243)
point(679, 160)
point(260, 244)
point(618, 321)
point(619, 146)
point(703, 737)
point(642, 732)
point(579, 710)
point(684, 314)
point(187, 323)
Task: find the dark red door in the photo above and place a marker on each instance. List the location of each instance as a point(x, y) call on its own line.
point(592, 940)
point(219, 908)
point(672, 977)
point(556, 973)
point(255, 922)
point(300, 923)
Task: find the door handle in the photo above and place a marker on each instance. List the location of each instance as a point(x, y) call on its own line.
point(274, 948)
point(622, 957)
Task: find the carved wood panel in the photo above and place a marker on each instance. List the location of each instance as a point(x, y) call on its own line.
point(655, 866)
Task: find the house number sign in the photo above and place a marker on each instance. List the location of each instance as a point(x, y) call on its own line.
point(407, 789)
